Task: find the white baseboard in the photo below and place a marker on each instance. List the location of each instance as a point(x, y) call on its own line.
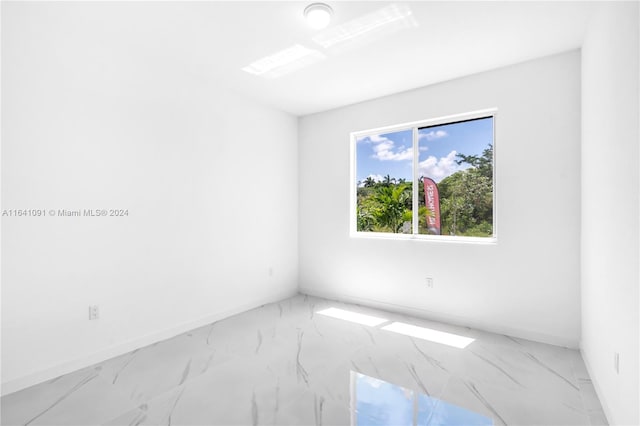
point(133, 344)
point(443, 317)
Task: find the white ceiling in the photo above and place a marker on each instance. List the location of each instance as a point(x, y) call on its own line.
point(205, 44)
point(452, 39)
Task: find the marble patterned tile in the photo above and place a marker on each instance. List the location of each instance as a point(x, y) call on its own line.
point(79, 398)
point(314, 408)
point(466, 394)
point(233, 394)
point(579, 367)
point(142, 374)
point(597, 418)
point(517, 370)
point(404, 367)
point(506, 407)
point(589, 397)
point(286, 364)
point(129, 418)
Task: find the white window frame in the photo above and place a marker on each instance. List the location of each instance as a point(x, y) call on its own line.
point(415, 125)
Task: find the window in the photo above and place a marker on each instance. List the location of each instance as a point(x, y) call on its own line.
point(440, 169)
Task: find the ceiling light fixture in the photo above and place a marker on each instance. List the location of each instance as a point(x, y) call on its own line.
point(318, 15)
point(284, 62)
point(367, 28)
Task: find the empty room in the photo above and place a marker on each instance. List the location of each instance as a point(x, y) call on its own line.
point(320, 213)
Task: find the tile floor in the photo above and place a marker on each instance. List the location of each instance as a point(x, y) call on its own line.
point(285, 364)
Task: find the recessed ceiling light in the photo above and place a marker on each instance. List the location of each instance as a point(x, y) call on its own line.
point(318, 15)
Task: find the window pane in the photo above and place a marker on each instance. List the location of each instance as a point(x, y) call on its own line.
point(456, 178)
point(384, 172)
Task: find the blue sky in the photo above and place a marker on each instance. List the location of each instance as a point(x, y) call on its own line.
point(392, 153)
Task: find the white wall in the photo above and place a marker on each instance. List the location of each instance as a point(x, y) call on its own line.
point(610, 213)
point(209, 179)
point(528, 283)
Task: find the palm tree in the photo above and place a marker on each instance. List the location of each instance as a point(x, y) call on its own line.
point(390, 203)
point(369, 182)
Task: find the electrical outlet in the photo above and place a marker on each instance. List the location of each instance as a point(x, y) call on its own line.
point(429, 281)
point(94, 312)
point(616, 362)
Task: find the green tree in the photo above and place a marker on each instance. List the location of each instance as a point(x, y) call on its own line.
point(482, 163)
point(369, 182)
point(390, 204)
point(388, 180)
point(366, 220)
point(466, 197)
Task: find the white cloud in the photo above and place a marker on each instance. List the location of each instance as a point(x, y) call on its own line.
point(385, 150)
point(372, 139)
point(433, 135)
point(438, 169)
point(377, 138)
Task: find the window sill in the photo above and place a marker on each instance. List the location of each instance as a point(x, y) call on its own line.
point(428, 238)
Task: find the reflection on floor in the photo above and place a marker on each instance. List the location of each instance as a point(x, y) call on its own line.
point(380, 403)
point(286, 364)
